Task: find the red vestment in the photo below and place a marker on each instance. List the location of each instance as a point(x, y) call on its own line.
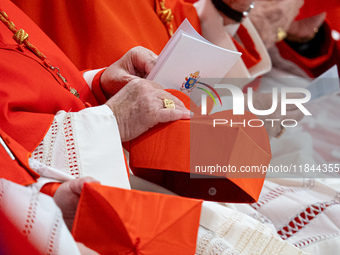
point(14, 162)
point(94, 34)
point(42, 93)
point(330, 49)
point(31, 93)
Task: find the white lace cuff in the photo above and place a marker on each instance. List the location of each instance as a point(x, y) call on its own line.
point(85, 143)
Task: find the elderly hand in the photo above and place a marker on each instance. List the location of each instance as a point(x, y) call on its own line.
point(67, 198)
point(139, 106)
point(269, 16)
point(136, 63)
point(306, 28)
point(264, 102)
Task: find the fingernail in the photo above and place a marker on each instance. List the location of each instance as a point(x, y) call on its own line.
point(187, 114)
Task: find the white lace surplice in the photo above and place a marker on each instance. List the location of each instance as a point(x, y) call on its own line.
point(35, 217)
point(79, 144)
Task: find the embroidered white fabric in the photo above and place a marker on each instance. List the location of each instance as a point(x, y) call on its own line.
point(232, 232)
point(303, 212)
point(85, 143)
point(36, 217)
point(209, 243)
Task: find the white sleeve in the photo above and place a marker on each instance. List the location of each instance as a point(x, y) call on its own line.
point(31, 223)
point(79, 144)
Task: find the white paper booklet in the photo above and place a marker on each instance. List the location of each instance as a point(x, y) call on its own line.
point(187, 57)
point(326, 84)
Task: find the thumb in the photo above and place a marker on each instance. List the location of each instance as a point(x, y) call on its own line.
point(143, 59)
point(77, 185)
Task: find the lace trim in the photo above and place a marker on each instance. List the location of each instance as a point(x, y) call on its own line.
point(275, 193)
point(52, 247)
point(54, 132)
point(261, 218)
point(209, 243)
point(314, 239)
point(70, 147)
point(303, 218)
point(31, 214)
point(274, 246)
point(39, 152)
point(225, 227)
point(252, 239)
point(43, 153)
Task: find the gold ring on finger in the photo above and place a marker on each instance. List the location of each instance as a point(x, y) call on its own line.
point(168, 103)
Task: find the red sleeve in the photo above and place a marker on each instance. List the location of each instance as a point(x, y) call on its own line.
point(96, 88)
point(50, 188)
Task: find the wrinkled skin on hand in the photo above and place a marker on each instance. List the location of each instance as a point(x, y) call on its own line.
point(136, 63)
point(268, 16)
point(67, 198)
point(264, 102)
point(138, 106)
point(305, 28)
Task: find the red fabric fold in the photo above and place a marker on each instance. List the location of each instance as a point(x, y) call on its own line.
point(250, 56)
point(17, 170)
point(117, 221)
point(168, 153)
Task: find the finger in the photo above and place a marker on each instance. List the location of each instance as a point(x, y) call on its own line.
point(166, 115)
point(178, 106)
point(164, 94)
point(178, 103)
point(77, 185)
point(167, 95)
point(150, 64)
point(143, 59)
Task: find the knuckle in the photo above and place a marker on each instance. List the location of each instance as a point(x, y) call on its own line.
point(136, 49)
point(139, 84)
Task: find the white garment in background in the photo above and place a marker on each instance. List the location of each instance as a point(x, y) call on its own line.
point(226, 231)
point(36, 217)
point(303, 211)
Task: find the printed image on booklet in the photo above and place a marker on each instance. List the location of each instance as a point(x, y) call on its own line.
point(187, 57)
